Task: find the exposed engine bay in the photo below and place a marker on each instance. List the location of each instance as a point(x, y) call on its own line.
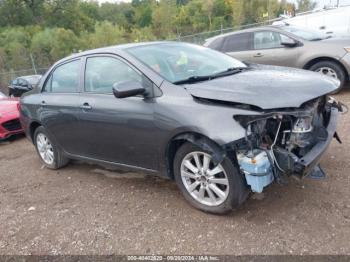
point(283, 143)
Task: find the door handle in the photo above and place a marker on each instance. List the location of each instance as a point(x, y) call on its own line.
point(258, 55)
point(86, 106)
point(43, 103)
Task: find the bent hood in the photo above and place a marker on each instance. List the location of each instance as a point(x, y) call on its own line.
point(267, 87)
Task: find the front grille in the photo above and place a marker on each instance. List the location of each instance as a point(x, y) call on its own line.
point(12, 125)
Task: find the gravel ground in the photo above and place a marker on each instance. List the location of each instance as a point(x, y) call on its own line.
point(85, 209)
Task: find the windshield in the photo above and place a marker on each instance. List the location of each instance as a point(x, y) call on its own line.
point(178, 61)
point(305, 34)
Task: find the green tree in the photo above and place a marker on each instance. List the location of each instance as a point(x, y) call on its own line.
point(163, 18)
point(14, 44)
point(142, 35)
point(121, 14)
point(105, 34)
point(15, 12)
point(53, 44)
point(237, 11)
point(143, 13)
point(67, 14)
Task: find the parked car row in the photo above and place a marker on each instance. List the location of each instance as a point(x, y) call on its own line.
point(219, 127)
point(290, 46)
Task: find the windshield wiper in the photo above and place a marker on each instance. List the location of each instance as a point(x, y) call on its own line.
point(230, 71)
point(194, 79)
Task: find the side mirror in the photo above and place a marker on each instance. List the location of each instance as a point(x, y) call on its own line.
point(127, 89)
point(289, 42)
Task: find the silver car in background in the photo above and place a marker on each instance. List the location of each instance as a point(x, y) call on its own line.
point(288, 46)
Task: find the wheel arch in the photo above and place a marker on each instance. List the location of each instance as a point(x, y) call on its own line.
point(32, 127)
point(197, 139)
point(326, 58)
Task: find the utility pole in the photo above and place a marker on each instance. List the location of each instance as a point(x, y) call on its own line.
point(33, 64)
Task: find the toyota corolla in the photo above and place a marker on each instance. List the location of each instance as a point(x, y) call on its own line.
point(217, 126)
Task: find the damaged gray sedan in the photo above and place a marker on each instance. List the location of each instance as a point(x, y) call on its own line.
point(219, 127)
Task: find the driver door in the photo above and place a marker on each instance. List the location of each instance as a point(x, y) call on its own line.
point(115, 130)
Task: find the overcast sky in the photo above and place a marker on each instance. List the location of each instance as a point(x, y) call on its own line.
point(320, 3)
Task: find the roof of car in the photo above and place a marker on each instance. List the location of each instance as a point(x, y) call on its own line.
point(113, 49)
point(267, 27)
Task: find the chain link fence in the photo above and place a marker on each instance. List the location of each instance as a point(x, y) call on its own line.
point(201, 37)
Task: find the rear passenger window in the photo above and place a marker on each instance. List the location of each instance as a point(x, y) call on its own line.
point(64, 79)
point(102, 72)
point(237, 42)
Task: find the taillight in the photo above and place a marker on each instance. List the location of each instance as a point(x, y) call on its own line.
point(19, 106)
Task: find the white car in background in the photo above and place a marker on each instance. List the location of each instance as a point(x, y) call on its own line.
point(334, 22)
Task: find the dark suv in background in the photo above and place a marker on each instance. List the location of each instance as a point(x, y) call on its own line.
point(288, 46)
point(23, 84)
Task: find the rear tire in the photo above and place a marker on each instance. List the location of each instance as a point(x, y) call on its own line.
point(50, 154)
point(331, 69)
point(230, 197)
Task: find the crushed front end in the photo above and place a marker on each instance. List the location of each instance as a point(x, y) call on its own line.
point(286, 142)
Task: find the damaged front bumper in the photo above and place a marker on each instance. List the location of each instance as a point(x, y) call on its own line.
point(307, 163)
point(283, 143)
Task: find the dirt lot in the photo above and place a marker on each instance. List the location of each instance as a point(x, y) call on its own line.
point(84, 209)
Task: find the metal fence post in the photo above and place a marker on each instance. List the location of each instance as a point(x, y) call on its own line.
point(33, 63)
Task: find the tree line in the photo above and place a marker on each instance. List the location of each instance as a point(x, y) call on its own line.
point(43, 31)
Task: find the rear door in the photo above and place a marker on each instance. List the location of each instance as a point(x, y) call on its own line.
point(59, 104)
point(268, 49)
point(239, 46)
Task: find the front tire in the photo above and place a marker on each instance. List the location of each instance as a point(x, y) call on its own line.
point(50, 154)
point(331, 69)
point(214, 189)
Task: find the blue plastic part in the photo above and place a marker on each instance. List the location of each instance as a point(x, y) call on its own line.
point(257, 183)
point(257, 170)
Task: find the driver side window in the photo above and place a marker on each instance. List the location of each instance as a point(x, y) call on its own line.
point(102, 72)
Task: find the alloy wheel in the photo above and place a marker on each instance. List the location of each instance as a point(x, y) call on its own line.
point(206, 183)
point(45, 148)
point(327, 71)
